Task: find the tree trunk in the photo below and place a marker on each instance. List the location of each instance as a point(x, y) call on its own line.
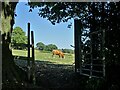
point(11, 74)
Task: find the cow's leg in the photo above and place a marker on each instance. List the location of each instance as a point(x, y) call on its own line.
point(59, 55)
point(64, 57)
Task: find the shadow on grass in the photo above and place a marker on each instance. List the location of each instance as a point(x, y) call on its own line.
point(21, 57)
point(55, 76)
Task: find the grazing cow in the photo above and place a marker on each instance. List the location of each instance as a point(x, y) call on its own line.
point(58, 52)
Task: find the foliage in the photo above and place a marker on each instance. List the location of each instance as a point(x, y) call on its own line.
point(95, 84)
point(68, 51)
point(40, 46)
point(57, 12)
point(18, 39)
point(43, 47)
point(50, 47)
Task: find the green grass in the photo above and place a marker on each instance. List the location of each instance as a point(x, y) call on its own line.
point(42, 56)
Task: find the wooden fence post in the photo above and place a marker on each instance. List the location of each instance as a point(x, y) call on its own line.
point(78, 55)
point(0, 60)
point(28, 61)
point(33, 58)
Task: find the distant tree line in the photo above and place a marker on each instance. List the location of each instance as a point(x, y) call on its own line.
point(19, 41)
point(68, 51)
point(41, 46)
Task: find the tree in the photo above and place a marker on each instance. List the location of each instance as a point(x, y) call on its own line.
point(50, 47)
point(40, 46)
point(57, 12)
point(11, 73)
point(68, 51)
point(18, 39)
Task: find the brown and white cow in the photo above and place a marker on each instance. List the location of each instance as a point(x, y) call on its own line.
point(58, 52)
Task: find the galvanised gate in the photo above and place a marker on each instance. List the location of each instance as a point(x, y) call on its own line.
point(89, 51)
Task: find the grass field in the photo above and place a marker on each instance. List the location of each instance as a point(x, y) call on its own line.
point(42, 56)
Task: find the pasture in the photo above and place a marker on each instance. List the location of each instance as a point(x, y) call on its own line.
point(47, 56)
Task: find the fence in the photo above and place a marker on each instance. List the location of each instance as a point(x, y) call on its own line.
point(31, 68)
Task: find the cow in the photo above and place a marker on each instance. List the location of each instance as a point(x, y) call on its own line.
point(58, 52)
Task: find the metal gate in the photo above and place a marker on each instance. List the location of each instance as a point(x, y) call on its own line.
point(89, 51)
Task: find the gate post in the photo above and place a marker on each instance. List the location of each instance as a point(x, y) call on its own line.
point(77, 37)
point(33, 58)
point(28, 61)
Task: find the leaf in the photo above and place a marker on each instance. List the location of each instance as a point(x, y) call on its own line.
point(30, 10)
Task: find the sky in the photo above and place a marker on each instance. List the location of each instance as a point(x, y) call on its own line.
point(44, 31)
